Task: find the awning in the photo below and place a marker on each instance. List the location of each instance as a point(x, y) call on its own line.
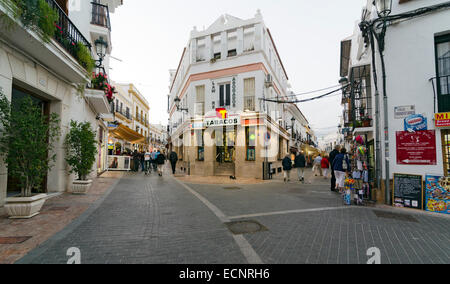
point(125, 133)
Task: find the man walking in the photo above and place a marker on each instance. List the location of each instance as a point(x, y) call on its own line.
point(160, 160)
point(173, 157)
point(317, 165)
point(287, 167)
point(300, 164)
point(332, 156)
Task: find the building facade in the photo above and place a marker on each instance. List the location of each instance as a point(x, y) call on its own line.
point(158, 137)
point(220, 122)
point(52, 73)
point(417, 66)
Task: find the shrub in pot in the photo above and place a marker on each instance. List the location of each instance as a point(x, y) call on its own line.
point(27, 140)
point(81, 150)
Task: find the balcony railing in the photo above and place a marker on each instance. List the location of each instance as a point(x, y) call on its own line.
point(100, 15)
point(249, 103)
point(67, 34)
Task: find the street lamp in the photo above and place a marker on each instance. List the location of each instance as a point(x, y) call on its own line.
point(177, 104)
point(100, 48)
point(384, 7)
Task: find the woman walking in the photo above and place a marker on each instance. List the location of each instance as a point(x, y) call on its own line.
point(341, 166)
point(325, 166)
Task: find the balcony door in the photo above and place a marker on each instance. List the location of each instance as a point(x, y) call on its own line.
point(63, 5)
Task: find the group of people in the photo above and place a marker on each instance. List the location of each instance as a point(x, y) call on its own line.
point(338, 161)
point(155, 161)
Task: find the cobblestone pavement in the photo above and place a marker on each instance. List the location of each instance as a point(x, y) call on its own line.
point(160, 220)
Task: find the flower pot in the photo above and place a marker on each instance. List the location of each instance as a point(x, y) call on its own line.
point(81, 186)
point(24, 207)
point(366, 123)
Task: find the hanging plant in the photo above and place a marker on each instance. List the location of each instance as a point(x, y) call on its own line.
point(84, 57)
point(100, 82)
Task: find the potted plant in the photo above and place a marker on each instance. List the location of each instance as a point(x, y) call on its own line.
point(366, 121)
point(27, 140)
point(100, 82)
point(80, 154)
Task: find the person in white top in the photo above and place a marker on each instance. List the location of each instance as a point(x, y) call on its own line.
point(317, 165)
point(147, 159)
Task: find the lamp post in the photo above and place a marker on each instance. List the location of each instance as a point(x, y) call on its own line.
point(100, 48)
point(177, 104)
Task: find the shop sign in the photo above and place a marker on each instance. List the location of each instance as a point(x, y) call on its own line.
point(222, 119)
point(417, 148)
point(402, 112)
point(408, 191)
point(416, 122)
point(442, 119)
point(437, 194)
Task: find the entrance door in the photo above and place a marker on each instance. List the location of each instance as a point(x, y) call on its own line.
point(225, 145)
point(13, 186)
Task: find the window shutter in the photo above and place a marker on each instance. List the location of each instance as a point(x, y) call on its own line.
point(228, 99)
point(221, 96)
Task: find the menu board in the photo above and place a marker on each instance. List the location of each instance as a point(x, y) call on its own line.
point(408, 191)
point(437, 190)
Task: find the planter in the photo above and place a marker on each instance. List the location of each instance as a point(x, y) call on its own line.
point(24, 207)
point(366, 123)
point(81, 186)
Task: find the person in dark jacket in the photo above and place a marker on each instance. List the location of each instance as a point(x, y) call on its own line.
point(333, 155)
point(287, 167)
point(173, 157)
point(300, 165)
point(160, 160)
point(341, 166)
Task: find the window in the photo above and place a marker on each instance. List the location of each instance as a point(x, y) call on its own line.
point(446, 150)
point(200, 100)
point(121, 107)
point(281, 151)
point(249, 94)
point(128, 113)
point(443, 72)
point(232, 53)
point(217, 55)
point(250, 143)
point(225, 95)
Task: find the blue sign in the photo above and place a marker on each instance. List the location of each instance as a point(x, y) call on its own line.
point(416, 122)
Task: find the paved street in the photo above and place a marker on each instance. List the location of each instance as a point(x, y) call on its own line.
point(160, 220)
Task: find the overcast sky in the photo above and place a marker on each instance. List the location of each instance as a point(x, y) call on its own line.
point(149, 37)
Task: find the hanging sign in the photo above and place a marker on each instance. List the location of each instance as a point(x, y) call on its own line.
point(418, 148)
point(442, 119)
point(437, 194)
point(416, 122)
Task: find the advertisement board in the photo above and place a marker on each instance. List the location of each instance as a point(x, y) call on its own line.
point(408, 191)
point(442, 119)
point(437, 194)
point(417, 148)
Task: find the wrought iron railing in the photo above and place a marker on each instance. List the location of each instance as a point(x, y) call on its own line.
point(100, 15)
point(441, 90)
point(67, 34)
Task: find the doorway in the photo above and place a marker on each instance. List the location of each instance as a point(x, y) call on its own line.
point(13, 185)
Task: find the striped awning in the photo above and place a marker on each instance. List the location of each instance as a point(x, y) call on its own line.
point(125, 133)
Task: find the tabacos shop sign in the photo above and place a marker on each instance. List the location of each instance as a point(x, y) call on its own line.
point(442, 119)
point(222, 118)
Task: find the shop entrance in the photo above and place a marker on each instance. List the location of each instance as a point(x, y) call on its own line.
point(18, 94)
point(225, 139)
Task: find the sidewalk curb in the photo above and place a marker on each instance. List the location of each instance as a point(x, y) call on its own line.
point(36, 252)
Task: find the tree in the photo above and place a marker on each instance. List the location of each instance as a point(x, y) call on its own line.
point(80, 148)
point(27, 140)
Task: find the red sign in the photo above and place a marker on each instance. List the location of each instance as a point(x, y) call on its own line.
point(442, 119)
point(418, 148)
point(221, 113)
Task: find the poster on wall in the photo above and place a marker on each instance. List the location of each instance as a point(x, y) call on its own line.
point(437, 194)
point(416, 122)
point(418, 148)
point(408, 191)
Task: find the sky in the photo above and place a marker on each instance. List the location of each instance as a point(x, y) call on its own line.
point(149, 36)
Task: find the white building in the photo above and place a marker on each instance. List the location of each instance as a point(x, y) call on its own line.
point(52, 73)
point(418, 68)
point(222, 125)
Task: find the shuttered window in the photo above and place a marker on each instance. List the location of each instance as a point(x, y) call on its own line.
point(443, 72)
point(249, 94)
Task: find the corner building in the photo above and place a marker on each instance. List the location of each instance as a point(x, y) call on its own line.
point(219, 122)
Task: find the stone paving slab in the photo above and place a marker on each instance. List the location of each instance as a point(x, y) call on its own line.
point(55, 215)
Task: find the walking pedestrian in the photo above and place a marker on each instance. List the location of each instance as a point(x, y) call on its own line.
point(317, 165)
point(173, 157)
point(341, 166)
point(147, 160)
point(287, 167)
point(300, 165)
point(154, 156)
point(332, 156)
point(160, 160)
point(142, 157)
point(136, 161)
point(325, 166)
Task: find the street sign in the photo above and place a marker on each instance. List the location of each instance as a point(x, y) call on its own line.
point(418, 148)
point(402, 112)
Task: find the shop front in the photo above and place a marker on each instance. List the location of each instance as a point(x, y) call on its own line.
point(122, 141)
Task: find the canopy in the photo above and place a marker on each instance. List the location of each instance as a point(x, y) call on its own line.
point(125, 133)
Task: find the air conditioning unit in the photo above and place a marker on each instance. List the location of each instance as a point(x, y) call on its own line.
point(269, 81)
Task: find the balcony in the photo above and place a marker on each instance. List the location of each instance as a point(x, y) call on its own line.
point(98, 100)
point(59, 54)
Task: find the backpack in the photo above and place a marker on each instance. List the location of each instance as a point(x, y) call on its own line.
point(344, 163)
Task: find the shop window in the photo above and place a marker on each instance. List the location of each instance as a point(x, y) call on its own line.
point(443, 72)
point(446, 151)
point(201, 145)
point(250, 141)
